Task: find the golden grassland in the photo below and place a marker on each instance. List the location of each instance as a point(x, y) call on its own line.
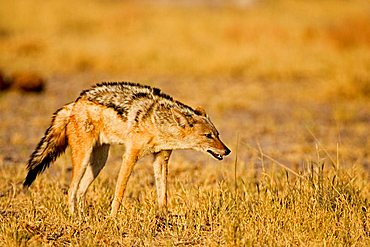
point(208, 206)
point(286, 82)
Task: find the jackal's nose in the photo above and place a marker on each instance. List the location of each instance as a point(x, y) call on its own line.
point(228, 151)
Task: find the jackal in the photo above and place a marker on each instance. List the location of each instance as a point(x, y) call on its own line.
point(140, 117)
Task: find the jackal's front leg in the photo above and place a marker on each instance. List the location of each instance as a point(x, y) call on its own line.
point(160, 166)
point(128, 163)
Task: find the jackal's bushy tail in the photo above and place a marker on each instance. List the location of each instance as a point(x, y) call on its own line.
point(51, 145)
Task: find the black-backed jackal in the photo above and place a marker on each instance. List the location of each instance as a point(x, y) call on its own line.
point(142, 118)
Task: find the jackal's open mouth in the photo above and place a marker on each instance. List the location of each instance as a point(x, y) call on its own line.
point(217, 156)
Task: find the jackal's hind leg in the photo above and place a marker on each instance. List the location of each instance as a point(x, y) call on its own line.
point(97, 161)
point(80, 161)
point(160, 166)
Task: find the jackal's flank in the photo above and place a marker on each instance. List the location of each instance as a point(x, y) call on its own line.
point(142, 118)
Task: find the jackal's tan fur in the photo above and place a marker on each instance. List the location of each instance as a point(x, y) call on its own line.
point(142, 118)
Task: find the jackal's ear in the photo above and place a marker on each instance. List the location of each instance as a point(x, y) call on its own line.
point(179, 117)
point(200, 111)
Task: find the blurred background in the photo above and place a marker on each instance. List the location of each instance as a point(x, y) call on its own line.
point(288, 76)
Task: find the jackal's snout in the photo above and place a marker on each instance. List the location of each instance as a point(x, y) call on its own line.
point(227, 151)
point(220, 153)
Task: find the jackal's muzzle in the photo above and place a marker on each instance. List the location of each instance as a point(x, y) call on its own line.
point(219, 156)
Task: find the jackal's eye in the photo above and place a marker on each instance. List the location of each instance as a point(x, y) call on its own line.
point(209, 135)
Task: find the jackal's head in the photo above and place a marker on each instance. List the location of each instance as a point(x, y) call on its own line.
point(197, 132)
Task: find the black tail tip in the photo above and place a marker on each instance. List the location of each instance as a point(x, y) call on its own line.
point(26, 184)
point(29, 180)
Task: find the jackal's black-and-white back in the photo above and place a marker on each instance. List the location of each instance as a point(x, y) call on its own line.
point(124, 97)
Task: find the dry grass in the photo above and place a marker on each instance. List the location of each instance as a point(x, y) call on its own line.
point(291, 78)
point(322, 206)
